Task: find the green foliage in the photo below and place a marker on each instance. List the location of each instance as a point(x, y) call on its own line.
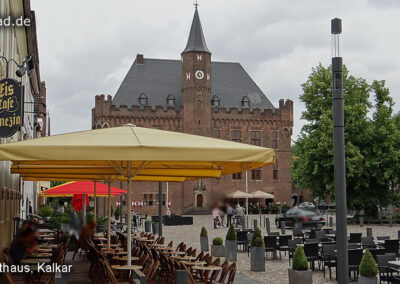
point(55, 222)
point(56, 183)
point(148, 221)
point(203, 232)
point(368, 266)
point(371, 135)
point(100, 220)
point(64, 218)
point(258, 240)
point(117, 211)
point(299, 259)
point(231, 235)
point(218, 241)
point(112, 211)
point(45, 211)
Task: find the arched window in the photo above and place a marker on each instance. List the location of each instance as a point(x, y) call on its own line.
point(170, 100)
point(143, 100)
point(246, 102)
point(215, 101)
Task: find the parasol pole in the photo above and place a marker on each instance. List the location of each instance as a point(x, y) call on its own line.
point(95, 202)
point(84, 209)
point(129, 209)
point(247, 201)
point(109, 216)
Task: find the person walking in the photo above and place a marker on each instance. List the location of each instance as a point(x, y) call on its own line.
point(229, 214)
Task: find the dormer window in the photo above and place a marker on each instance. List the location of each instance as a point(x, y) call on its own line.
point(170, 100)
point(143, 100)
point(215, 101)
point(246, 102)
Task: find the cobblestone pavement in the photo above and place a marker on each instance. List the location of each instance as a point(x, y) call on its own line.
point(276, 270)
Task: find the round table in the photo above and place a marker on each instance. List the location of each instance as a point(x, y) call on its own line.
point(183, 258)
point(194, 263)
point(166, 248)
point(126, 267)
point(175, 252)
point(44, 250)
point(207, 268)
point(124, 258)
point(39, 255)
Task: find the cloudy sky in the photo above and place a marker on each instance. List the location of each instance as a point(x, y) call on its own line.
point(87, 47)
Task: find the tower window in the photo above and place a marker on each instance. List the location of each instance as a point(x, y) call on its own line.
point(274, 140)
point(256, 138)
point(246, 102)
point(237, 135)
point(215, 101)
point(143, 100)
point(275, 170)
point(171, 100)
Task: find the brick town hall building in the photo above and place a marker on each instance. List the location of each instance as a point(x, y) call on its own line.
point(198, 96)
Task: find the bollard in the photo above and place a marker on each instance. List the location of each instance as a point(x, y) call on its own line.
point(255, 224)
point(267, 225)
point(369, 232)
point(181, 277)
point(283, 227)
point(243, 223)
point(361, 221)
point(330, 221)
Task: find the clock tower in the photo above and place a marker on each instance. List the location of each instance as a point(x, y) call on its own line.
point(196, 82)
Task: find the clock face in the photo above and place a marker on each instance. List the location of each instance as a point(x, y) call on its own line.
point(199, 75)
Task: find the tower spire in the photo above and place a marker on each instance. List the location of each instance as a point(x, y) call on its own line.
point(196, 41)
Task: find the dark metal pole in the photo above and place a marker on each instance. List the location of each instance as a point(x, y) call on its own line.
point(339, 155)
point(160, 198)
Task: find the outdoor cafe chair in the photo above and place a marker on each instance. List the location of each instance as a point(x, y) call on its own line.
point(242, 239)
point(353, 246)
point(311, 252)
point(276, 234)
point(292, 245)
point(310, 240)
point(368, 242)
point(385, 271)
point(298, 233)
point(224, 272)
point(232, 273)
point(270, 244)
point(377, 251)
point(283, 244)
point(355, 238)
point(392, 246)
point(328, 257)
point(354, 257)
point(321, 236)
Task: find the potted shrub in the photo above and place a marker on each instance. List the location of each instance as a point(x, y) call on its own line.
point(217, 247)
point(299, 273)
point(147, 226)
point(231, 244)
point(45, 211)
point(368, 269)
point(257, 258)
point(204, 239)
point(155, 228)
point(117, 213)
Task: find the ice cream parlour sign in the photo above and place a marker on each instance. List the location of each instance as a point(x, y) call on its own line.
point(11, 107)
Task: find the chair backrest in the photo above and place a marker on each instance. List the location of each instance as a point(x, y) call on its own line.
point(191, 279)
point(355, 256)
point(297, 232)
point(292, 244)
point(170, 244)
point(391, 246)
point(215, 273)
point(241, 236)
point(200, 257)
point(232, 273)
point(353, 246)
point(273, 234)
point(355, 237)
point(329, 250)
point(224, 272)
point(179, 246)
point(382, 260)
point(310, 240)
point(151, 277)
point(320, 235)
point(368, 242)
point(311, 249)
point(270, 241)
point(283, 240)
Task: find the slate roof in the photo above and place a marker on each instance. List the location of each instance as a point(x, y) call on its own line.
point(157, 78)
point(196, 41)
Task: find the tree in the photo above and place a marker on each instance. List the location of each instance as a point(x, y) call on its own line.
point(370, 173)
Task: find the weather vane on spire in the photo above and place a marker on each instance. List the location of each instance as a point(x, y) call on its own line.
point(196, 4)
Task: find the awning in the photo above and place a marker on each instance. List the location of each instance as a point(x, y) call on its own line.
point(81, 187)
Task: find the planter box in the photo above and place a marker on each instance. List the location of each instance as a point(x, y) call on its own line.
point(204, 243)
point(147, 227)
point(231, 250)
point(218, 251)
point(300, 277)
point(257, 259)
point(155, 228)
point(367, 280)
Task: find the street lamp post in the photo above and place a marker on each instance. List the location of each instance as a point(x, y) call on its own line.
point(339, 152)
point(21, 68)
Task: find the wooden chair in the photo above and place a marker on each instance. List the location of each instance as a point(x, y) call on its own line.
point(170, 244)
point(232, 273)
point(151, 277)
point(215, 273)
point(224, 272)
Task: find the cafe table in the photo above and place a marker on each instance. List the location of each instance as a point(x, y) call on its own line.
point(207, 270)
point(39, 255)
point(394, 263)
point(35, 260)
point(164, 248)
point(124, 270)
point(184, 258)
point(175, 252)
point(194, 263)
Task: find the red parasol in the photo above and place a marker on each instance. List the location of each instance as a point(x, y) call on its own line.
point(81, 187)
